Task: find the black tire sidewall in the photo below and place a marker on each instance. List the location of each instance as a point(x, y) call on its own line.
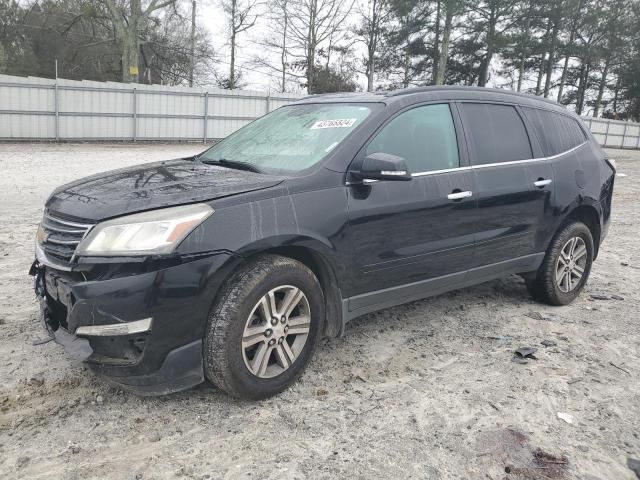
point(547, 282)
point(256, 283)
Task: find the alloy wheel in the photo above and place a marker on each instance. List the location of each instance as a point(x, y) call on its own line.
point(276, 331)
point(571, 264)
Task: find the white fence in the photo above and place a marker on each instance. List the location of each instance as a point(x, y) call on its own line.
point(43, 109)
point(614, 133)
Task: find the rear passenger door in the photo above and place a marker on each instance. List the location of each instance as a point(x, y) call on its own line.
point(514, 189)
point(565, 144)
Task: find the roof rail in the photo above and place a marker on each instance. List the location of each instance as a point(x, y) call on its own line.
point(432, 88)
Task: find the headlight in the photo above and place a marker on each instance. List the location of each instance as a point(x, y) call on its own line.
point(153, 232)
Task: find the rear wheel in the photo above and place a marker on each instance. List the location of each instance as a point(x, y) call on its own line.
point(566, 266)
point(264, 327)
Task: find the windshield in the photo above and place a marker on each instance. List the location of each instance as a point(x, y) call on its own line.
point(291, 138)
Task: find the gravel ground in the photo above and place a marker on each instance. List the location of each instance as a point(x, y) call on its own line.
point(427, 390)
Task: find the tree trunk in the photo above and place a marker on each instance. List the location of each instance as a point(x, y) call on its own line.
point(372, 44)
point(370, 71)
point(436, 46)
point(541, 70)
point(407, 64)
point(486, 63)
point(444, 48)
point(603, 84)
point(311, 58)
point(540, 74)
point(551, 63)
point(523, 53)
point(565, 67)
point(616, 91)
point(192, 43)
point(563, 78)
point(311, 47)
point(130, 56)
point(283, 53)
point(232, 62)
point(582, 86)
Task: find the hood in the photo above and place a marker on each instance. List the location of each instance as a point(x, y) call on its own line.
point(152, 185)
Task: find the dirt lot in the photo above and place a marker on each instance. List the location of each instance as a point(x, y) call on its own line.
point(427, 390)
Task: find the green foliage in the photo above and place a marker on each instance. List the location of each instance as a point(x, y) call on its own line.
point(328, 79)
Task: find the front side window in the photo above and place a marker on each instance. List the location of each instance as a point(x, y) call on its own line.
point(496, 133)
point(292, 138)
point(424, 136)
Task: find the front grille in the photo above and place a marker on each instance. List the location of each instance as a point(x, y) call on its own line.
point(61, 237)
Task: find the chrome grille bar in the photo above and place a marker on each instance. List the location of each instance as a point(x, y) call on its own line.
point(61, 237)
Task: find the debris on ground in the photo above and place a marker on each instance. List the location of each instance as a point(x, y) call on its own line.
point(36, 380)
point(567, 417)
point(620, 368)
point(41, 341)
point(523, 353)
point(549, 343)
point(598, 296)
point(537, 316)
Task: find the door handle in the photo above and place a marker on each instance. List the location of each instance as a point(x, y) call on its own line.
point(459, 195)
point(541, 182)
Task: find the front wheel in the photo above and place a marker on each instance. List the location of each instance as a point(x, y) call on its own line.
point(566, 266)
point(264, 327)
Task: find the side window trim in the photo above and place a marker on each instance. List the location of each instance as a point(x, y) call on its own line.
point(530, 160)
point(534, 141)
point(463, 145)
point(457, 124)
point(489, 165)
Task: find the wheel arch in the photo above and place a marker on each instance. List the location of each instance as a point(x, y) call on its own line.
point(312, 255)
point(588, 214)
point(325, 273)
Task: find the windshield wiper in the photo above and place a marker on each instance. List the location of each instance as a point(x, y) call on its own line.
point(237, 164)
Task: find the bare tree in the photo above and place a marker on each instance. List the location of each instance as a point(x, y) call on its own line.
point(275, 44)
point(129, 18)
point(372, 22)
point(241, 16)
point(313, 23)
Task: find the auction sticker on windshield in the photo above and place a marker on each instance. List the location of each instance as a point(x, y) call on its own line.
point(337, 123)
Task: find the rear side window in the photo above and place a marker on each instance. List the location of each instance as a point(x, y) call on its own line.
point(496, 133)
point(557, 133)
point(424, 136)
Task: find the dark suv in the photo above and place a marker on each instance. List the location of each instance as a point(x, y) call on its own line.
point(231, 265)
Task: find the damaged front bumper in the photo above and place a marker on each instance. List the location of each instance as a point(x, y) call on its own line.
point(140, 330)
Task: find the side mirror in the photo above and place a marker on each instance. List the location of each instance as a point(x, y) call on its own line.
point(383, 166)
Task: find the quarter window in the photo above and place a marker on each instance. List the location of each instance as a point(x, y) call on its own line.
point(557, 133)
point(496, 133)
point(424, 136)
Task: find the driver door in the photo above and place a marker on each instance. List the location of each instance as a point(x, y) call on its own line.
point(410, 239)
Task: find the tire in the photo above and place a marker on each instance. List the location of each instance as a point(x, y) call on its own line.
point(234, 354)
point(556, 282)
